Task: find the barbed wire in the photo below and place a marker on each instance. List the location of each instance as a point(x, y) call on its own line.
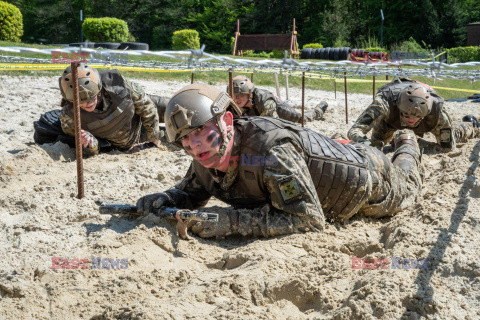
point(198, 59)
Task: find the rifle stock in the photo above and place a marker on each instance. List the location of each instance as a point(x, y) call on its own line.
point(111, 207)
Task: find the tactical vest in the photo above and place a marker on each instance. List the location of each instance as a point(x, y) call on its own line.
point(339, 172)
point(117, 122)
point(391, 93)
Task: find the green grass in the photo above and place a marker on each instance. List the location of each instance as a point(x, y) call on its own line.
point(260, 79)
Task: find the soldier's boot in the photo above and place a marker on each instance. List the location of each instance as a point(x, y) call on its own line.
point(472, 119)
point(407, 153)
point(320, 110)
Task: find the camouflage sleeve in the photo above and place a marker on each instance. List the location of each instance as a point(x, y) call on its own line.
point(68, 126)
point(292, 192)
point(369, 118)
point(147, 111)
point(269, 109)
point(443, 131)
point(188, 193)
point(294, 203)
point(67, 123)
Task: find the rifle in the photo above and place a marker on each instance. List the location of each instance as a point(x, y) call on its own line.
point(181, 215)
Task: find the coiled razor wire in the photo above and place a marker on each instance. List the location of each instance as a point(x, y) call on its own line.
point(200, 60)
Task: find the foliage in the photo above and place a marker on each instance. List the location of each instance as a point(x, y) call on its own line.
point(185, 39)
point(278, 54)
point(369, 42)
point(329, 22)
point(375, 49)
point(409, 45)
point(105, 30)
point(216, 22)
point(11, 25)
point(463, 54)
point(258, 54)
point(312, 45)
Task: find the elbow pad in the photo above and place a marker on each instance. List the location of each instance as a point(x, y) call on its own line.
point(446, 138)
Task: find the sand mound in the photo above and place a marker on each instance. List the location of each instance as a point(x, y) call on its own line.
point(61, 259)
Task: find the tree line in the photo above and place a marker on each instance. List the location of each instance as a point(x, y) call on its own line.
point(354, 23)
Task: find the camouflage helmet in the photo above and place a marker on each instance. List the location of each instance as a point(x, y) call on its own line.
point(242, 85)
point(89, 83)
point(415, 100)
point(193, 106)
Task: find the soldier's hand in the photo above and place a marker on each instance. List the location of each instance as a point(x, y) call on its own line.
point(146, 204)
point(364, 140)
point(88, 140)
point(156, 143)
point(377, 144)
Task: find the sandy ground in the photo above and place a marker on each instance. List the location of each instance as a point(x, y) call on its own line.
point(304, 276)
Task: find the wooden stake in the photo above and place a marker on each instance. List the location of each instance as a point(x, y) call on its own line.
point(78, 130)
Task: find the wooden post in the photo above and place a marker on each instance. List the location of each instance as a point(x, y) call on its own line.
point(236, 37)
point(251, 77)
point(78, 130)
point(276, 85)
point(230, 83)
point(286, 86)
point(191, 79)
point(292, 41)
point(373, 91)
point(303, 98)
point(346, 104)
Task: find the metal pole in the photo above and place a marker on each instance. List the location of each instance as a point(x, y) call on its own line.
point(78, 128)
point(81, 26)
point(303, 98)
point(373, 92)
point(335, 87)
point(286, 86)
point(346, 104)
point(192, 77)
point(276, 84)
point(230, 83)
point(381, 29)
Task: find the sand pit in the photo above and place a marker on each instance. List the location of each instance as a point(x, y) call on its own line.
point(49, 238)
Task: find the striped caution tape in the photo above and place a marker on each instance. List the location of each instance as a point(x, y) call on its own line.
point(385, 81)
point(21, 67)
point(456, 89)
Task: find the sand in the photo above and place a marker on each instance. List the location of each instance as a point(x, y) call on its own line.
point(49, 238)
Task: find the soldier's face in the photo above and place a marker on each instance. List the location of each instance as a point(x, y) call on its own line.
point(410, 120)
point(241, 100)
point(204, 143)
point(90, 105)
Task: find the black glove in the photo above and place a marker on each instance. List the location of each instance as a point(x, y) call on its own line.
point(146, 204)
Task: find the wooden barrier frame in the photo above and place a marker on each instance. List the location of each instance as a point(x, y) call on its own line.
point(266, 42)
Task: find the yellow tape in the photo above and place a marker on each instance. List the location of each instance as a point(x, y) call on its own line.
point(360, 80)
point(20, 67)
point(456, 89)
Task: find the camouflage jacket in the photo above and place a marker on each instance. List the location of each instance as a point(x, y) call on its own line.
point(383, 118)
point(123, 110)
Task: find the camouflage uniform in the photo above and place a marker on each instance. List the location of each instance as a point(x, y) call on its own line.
point(292, 178)
point(267, 104)
point(125, 116)
point(383, 118)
